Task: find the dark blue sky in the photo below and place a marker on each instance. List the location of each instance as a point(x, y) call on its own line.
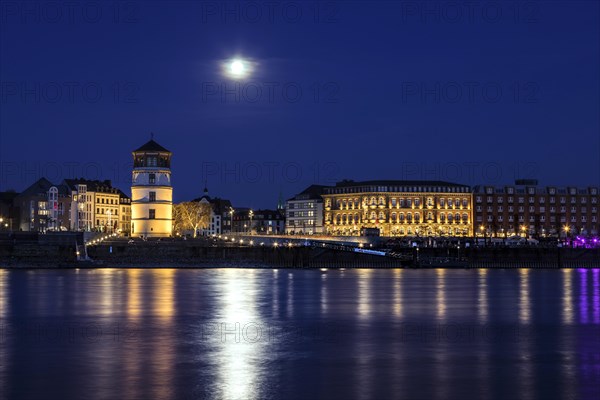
point(357, 90)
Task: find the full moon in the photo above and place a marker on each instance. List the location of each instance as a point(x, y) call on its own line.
point(237, 68)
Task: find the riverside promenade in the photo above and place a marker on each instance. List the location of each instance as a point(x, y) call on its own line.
point(48, 251)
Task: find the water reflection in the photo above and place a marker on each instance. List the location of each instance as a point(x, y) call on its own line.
point(323, 300)
point(524, 300)
point(567, 296)
point(596, 296)
point(104, 299)
point(441, 293)
point(164, 301)
point(369, 357)
point(3, 335)
point(239, 347)
point(3, 293)
point(290, 295)
point(583, 296)
point(482, 296)
point(275, 294)
point(364, 292)
point(398, 293)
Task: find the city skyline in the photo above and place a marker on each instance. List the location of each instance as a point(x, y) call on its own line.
point(522, 102)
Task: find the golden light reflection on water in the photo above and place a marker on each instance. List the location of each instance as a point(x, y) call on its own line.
point(482, 296)
point(524, 299)
point(364, 292)
point(105, 300)
point(526, 373)
point(239, 345)
point(567, 355)
point(567, 296)
point(441, 293)
point(164, 300)
point(134, 294)
point(398, 293)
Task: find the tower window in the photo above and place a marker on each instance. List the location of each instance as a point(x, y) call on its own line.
point(151, 162)
point(152, 196)
point(152, 178)
point(152, 214)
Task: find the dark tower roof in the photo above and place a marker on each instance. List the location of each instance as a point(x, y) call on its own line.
point(151, 146)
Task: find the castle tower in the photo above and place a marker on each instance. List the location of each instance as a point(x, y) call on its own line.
point(151, 192)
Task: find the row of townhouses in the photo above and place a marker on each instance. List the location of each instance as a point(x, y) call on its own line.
point(72, 205)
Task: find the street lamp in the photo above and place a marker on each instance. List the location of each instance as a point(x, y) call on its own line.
point(251, 214)
point(523, 229)
point(231, 211)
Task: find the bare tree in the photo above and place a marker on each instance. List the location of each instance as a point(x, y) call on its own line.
point(191, 215)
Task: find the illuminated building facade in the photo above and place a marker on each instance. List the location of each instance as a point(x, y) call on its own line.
point(96, 206)
point(41, 207)
point(304, 212)
point(527, 209)
point(124, 214)
point(398, 208)
point(220, 214)
point(151, 192)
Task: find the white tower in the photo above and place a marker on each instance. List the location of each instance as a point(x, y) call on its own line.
point(151, 192)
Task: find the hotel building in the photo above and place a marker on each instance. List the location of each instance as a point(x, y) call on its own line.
point(527, 209)
point(398, 208)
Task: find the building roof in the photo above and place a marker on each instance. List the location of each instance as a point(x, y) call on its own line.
point(122, 194)
point(92, 185)
point(219, 205)
point(151, 146)
point(313, 192)
point(346, 183)
point(41, 186)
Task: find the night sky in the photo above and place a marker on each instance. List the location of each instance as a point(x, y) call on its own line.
point(349, 89)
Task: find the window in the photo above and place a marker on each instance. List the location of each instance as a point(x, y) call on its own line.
point(152, 178)
point(152, 213)
point(152, 196)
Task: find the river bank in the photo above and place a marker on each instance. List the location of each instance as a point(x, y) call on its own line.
point(204, 254)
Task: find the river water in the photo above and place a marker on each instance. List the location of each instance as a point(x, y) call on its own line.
point(299, 334)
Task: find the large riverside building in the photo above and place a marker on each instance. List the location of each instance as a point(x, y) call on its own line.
point(398, 208)
point(151, 192)
point(527, 209)
point(304, 212)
